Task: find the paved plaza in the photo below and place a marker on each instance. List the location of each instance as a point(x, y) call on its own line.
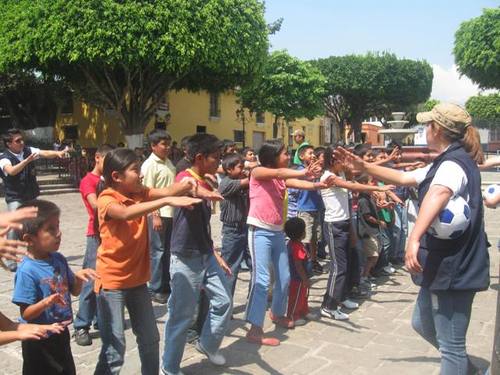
point(378, 339)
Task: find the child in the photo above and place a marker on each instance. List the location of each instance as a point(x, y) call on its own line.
point(43, 284)
point(309, 207)
point(159, 172)
point(195, 265)
point(266, 240)
point(298, 310)
point(368, 232)
point(87, 308)
point(234, 211)
point(123, 261)
point(338, 234)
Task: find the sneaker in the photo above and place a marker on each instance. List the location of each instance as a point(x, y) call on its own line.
point(299, 322)
point(161, 298)
point(281, 321)
point(348, 304)
point(216, 358)
point(359, 292)
point(317, 267)
point(389, 269)
point(334, 314)
point(82, 337)
point(192, 336)
point(312, 316)
point(165, 372)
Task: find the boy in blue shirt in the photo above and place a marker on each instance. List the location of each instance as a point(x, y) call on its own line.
point(43, 284)
point(309, 206)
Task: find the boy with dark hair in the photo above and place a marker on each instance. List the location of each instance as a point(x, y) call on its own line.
point(18, 172)
point(184, 162)
point(87, 309)
point(233, 213)
point(298, 309)
point(158, 172)
point(195, 265)
point(309, 206)
point(43, 284)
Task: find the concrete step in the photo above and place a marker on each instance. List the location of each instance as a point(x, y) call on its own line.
point(53, 186)
point(58, 191)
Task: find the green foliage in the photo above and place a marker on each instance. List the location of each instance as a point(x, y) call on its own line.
point(126, 54)
point(485, 108)
point(429, 104)
point(375, 84)
point(287, 87)
point(477, 49)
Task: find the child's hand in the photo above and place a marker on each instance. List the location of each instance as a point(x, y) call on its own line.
point(10, 249)
point(86, 274)
point(201, 192)
point(382, 224)
point(31, 332)
point(385, 188)
point(53, 299)
point(157, 223)
point(331, 180)
point(314, 169)
point(349, 160)
point(184, 202)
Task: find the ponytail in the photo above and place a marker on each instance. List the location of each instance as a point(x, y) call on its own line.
point(472, 144)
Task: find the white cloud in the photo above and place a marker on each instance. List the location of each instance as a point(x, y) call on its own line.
point(448, 86)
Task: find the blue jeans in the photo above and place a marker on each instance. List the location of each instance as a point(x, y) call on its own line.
point(265, 247)
point(12, 235)
point(87, 309)
point(188, 276)
point(159, 251)
point(442, 319)
point(111, 305)
point(234, 244)
point(400, 232)
point(385, 250)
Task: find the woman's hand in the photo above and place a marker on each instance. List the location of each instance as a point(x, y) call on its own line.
point(411, 260)
point(12, 219)
point(349, 160)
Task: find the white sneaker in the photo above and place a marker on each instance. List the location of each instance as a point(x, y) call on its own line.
point(389, 269)
point(216, 358)
point(165, 372)
point(299, 322)
point(334, 314)
point(348, 304)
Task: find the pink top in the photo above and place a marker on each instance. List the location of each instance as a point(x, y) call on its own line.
point(266, 203)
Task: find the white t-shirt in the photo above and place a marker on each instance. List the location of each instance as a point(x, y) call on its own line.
point(4, 162)
point(449, 174)
point(336, 201)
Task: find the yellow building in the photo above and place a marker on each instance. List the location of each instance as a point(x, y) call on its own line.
point(189, 113)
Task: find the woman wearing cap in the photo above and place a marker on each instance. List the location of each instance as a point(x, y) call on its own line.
point(449, 272)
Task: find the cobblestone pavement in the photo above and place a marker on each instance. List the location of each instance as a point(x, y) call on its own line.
point(377, 340)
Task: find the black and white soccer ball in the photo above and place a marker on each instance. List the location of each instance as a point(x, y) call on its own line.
point(452, 221)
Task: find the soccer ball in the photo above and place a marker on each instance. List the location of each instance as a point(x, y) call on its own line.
point(491, 191)
point(452, 221)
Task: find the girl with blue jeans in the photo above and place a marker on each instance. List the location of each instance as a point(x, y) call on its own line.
point(449, 271)
point(266, 240)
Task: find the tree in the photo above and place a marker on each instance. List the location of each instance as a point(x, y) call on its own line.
point(485, 109)
point(477, 49)
point(287, 87)
point(429, 104)
point(373, 84)
point(124, 55)
point(30, 99)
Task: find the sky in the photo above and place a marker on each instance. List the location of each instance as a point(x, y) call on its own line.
point(415, 29)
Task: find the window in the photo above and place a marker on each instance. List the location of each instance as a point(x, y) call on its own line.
point(70, 132)
point(67, 105)
point(214, 104)
point(200, 129)
point(260, 117)
point(239, 136)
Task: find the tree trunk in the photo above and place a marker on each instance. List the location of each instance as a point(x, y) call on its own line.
point(275, 127)
point(356, 120)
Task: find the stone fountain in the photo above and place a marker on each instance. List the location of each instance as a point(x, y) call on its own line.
point(396, 132)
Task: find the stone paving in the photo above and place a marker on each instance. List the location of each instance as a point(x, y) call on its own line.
point(378, 339)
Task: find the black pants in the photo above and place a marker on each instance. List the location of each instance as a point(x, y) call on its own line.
point(338, 287)
point(50, 356)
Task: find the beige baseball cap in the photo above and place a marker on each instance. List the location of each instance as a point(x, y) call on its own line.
point(450, 116)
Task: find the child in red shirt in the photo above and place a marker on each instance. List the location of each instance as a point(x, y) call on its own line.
point(300, 271)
